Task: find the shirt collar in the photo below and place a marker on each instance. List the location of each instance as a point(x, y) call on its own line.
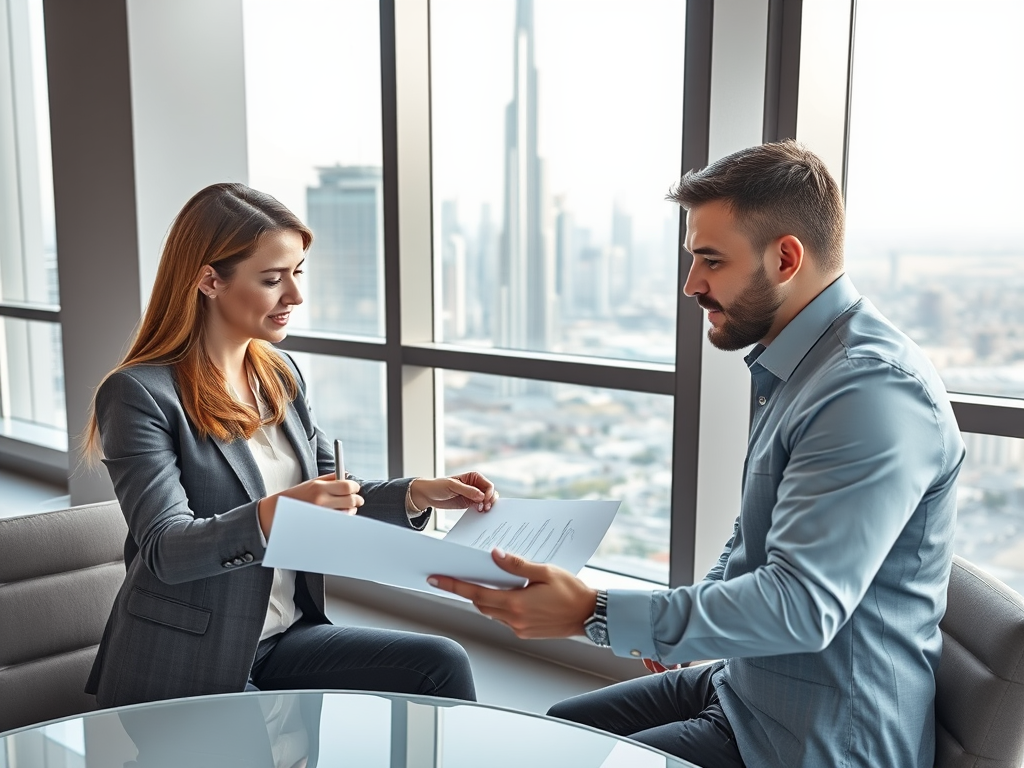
point(784, 354)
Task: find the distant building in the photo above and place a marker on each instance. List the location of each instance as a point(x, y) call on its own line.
point(591, 290)
point(487, 248)
point(933, 313)
point(454, 275)
point(526, 275)
point(622, 261)
point(565, 254)
point(345, 289)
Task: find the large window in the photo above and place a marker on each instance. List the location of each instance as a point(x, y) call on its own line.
point(31, 370)
point(535, 246)
point(551, 157)
point(545, 440)
point(313, 100)
point(497, 171)
point(312, 72)
point(935, 232)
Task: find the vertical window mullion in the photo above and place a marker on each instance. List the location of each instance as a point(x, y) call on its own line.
point(408, 253)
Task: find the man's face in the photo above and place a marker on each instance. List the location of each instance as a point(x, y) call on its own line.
point(728, 278)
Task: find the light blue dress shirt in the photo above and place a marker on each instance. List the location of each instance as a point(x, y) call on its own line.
point(826, 601)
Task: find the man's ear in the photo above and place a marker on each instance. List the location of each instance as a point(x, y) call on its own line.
point(787, 257)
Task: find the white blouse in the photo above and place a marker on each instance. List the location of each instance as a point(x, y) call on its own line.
point(281, 470)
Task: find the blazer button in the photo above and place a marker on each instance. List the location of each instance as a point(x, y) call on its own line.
point(226, 564)
point(237, 561)
point(248, 557)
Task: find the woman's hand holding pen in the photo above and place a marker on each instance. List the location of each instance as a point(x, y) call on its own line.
point(325, 491)
point(470, 490)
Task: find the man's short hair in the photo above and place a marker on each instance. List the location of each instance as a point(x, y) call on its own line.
point(774, 190)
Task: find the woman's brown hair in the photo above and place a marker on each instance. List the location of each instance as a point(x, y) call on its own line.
point(220, 226)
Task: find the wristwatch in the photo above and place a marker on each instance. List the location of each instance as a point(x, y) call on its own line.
point(596, 626)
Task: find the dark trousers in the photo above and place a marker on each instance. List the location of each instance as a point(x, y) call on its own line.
point(314, 656)
point(677, 712)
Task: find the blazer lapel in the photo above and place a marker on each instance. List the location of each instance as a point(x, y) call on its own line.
point(240, 458)
point(300, 444)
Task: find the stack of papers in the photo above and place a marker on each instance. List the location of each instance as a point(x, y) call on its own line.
point(306, 537)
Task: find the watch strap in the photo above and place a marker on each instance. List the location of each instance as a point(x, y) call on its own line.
point(596, 626)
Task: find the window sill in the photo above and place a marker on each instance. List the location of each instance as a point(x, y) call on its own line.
point(34, 450)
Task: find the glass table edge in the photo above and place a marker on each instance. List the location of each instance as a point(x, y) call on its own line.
point(434, 701)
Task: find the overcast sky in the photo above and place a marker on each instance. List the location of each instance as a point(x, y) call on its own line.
point(938, 107)
point(610, 97)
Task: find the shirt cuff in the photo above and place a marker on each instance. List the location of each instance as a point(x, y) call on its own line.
point(630, 631)
point(259, 528)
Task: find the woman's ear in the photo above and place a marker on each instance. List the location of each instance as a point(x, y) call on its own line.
point(209, 282)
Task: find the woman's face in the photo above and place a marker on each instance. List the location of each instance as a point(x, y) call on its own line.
point(255, 303)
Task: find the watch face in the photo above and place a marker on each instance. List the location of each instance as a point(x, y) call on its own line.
point(597, 631)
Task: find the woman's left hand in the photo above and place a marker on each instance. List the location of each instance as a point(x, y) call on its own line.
point(465, 491)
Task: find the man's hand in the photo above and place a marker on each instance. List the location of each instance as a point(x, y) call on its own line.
point(554, 604)
point(470, 489)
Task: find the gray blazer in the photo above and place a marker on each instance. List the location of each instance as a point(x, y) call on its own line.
point(189, 615)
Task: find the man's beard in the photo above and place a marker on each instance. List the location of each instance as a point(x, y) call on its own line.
point(750, 316)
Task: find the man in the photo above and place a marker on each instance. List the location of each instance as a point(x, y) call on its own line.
point(826, 602)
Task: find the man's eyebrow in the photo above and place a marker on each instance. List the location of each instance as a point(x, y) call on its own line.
point(707, 250)
point(284, 269)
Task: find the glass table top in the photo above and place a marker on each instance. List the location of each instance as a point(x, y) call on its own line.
point(307, 729)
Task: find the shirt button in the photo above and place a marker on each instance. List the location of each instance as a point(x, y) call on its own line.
point(635, 653)
point(762, 400)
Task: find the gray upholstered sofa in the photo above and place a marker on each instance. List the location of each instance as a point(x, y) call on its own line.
point(59, 573)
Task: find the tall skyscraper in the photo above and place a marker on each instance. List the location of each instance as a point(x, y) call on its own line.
point(526, 287)
point(345, 289)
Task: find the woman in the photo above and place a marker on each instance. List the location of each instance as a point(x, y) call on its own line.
point(203, 427)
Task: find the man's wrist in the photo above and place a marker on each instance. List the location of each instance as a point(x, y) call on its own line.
point(596, 627)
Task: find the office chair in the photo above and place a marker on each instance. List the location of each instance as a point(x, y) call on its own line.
point(979, 698)
point(59, 574)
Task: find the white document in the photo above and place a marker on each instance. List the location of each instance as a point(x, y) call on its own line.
point(306, 537)
point(563, 533)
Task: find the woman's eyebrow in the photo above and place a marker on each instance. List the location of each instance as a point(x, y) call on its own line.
point(284, 269)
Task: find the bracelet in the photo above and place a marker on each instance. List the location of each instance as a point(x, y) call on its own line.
point(410, 506)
